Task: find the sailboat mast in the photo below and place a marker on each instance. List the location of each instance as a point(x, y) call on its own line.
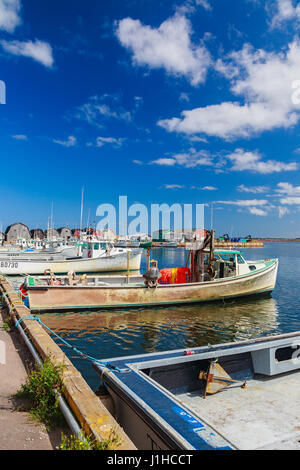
point(88, 219)
point(81, 212)
point(51, 221)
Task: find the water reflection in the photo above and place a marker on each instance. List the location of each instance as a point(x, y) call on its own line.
point(122, 332)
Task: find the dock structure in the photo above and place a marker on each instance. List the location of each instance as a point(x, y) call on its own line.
point(228, 245)
point(220, 244)
point(91, 414)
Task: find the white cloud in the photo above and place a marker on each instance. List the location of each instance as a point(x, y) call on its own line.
point(282, 211)
point(190, 159)
point(209, 188)
point(246, 203)
point(103, 107)
point(20, 137)
point(252, 189)
point(164, 162)
point(285, 10)
point(239, 160)
point(257, 211)
point(204, 3)
point(184, 97)
point(290, 200)
point(229, 120)
point(39, 51)
point(288, 189)
point(173, 186)
point(263, 80)
point(70, 142)
point(107, 111)
point(258, 207)
point(10, 15)
point(252, 161)
point(291, 193)
point(117, 143)
point(169, 46)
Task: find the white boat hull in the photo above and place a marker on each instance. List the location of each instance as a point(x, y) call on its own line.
point(107, 263)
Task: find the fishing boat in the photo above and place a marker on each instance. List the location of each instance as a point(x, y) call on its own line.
point(234, 396)
point(171, 244)
point(127, 243)
point(212, 275)
point(94, 257)
point(51, 249)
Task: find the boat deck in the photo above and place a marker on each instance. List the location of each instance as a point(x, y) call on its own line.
point(264, 415)
point(167, 390)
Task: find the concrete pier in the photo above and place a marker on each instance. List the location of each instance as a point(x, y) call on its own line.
point(18, 431)
point(88, 409)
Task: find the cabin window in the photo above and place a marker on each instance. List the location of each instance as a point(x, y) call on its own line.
point(286, 354)
point(240, 260)
point(96, 246)
point(227, 257)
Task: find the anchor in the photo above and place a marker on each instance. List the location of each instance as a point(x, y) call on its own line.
point(217, 379)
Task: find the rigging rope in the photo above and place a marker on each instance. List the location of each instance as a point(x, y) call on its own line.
point(84, 355)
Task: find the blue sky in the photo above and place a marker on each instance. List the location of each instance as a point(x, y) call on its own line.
point(163, 101)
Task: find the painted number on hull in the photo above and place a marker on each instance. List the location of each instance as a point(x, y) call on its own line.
point(8, 264)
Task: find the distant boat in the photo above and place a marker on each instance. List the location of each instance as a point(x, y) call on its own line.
point(171, 244)
point(128, 243)
point(211, 276)
point(63, 250)
point(95, 257)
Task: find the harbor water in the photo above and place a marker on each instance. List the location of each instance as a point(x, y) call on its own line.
point(112, 333)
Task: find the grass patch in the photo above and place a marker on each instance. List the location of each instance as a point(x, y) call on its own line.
point(88, 443)
point(39, 391)
point(8, 325)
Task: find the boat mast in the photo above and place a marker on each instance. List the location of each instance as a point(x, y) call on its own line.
point(48, 228)
point(52, 227)
point(197, 254)
point(81, 212)
point(88, 219)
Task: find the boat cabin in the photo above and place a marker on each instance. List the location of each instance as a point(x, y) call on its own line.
point(94, 249)
point(231, 263)
point(207, 264)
